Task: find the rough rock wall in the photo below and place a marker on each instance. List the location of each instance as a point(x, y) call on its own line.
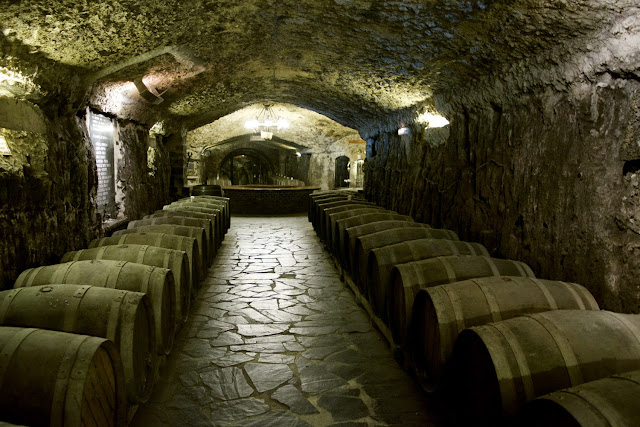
point(144, 183)
point(539, 179)
point(47, 190)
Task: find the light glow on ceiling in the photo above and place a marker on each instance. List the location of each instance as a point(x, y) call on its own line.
point(432, 120)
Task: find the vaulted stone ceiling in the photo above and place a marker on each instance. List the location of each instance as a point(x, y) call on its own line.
point(354, 61)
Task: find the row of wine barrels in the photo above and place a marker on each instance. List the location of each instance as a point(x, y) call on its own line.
point(499, 366)
point(324, 206)
point(123, 317)
point(214, 200)
point(323, 197)
point(185, 208)
point(188, 245)
point(383, 259)
point(178, 230)
point(341, 247)
point(60, 379)
point(440, 313)
point(364, 244)
point(608, 402)
point(157, 282)
point(209, 202)
point(175, 260)
point(331, 232)
point(204, 223)
point(487, 328)
point(212, 218)
point(407, 279)
point(206, 190)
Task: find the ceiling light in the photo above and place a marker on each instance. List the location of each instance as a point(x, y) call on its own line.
point(266, 120)
point(432, 120)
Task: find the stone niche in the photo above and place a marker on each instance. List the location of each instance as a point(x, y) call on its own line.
point(549, 179)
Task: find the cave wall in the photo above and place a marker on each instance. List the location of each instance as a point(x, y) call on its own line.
point(538, 178)
point(143, 170)
point(47, 188)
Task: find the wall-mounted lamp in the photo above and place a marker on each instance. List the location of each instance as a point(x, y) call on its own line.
point(298, 154)
point(403, 131)
point(148, 93)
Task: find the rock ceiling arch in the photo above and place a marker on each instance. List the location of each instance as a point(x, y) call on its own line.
point(354, 61)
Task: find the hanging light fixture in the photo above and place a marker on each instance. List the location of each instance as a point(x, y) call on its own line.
point(265, 122)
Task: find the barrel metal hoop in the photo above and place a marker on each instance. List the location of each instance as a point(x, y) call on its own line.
point(451, 275)
point(114, 316)
point(60, 276)
point(630, 326)
point(452, 235)
point(453, 247)
point(76, 255)
point(547, 295)
point(159, 240)
point(168, 255)
point(101, 252)
point(569, 357)
point(520, 269)
point(599, 405)
point(494, 308)
point(71, 311)
point(9, 349)
point(575, 295)
point(62, 380)
point(6, 303)
point(32, 276)
point(73, 405)
point(141, 254)
point(521, 360)
point(492, 265)
point(455, 303)
point(114, 274)
point(145, 284)
point(492, 338)
point(122, 239)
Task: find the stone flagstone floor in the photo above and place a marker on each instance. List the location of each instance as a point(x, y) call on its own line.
point(276, 339)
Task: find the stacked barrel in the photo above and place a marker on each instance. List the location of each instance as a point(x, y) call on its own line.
point(286, 181)
point(501, 345)
point(81, 342)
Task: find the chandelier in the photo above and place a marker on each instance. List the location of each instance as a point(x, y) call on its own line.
point(265, 122)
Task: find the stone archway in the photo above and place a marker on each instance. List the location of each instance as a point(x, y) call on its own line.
point(245, 167)
point(341, 172)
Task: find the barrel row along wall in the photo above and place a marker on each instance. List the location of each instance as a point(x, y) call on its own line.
point(548, 179)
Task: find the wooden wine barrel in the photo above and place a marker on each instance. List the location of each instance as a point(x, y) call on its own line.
point(206, 190)
point(341, 248)
point(124, 317)
point(209, 233)
point(365, 244)
point(179, 230)
point(219, 205)
point(609, 402)
point(382, 260)
point(60, 379)
point(323, 206)
point(220, 219)
point(407, 279)
point(176, 261)
point(331, 233)
point(219, 235)
point(370, 228)
point(326, 224)
point(188, 245)
point(499, 366)
point(440, 313)
point(155, 281)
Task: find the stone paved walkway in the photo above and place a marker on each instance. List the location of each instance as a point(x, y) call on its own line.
point(275, 338)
